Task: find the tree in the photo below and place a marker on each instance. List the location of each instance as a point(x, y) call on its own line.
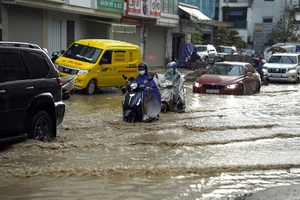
point(197, 38)
point(228, 37)
point(284, 29)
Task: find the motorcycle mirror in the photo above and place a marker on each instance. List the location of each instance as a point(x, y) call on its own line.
point(124, 76)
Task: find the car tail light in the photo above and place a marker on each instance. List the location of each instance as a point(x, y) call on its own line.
point(59, 81)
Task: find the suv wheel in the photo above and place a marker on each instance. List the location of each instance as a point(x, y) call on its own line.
point(41, 127)
point(90, 88)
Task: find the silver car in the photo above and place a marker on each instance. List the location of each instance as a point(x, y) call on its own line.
point(207, 53)
point(283, 67)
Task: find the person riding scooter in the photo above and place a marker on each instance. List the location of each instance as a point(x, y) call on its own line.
point(172, 90)
point(145, 78)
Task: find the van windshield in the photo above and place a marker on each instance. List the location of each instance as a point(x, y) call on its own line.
point(83, 53)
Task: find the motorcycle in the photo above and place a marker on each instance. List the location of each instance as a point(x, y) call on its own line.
point(132, 103)
point(172, 95)
point(67, 85)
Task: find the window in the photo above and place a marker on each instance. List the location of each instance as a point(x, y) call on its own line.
point(267, 19)
point(38, 65)
point(234, 70)
point(83, 53)
point(106, 58)
point(70, 32)
point(11, 66)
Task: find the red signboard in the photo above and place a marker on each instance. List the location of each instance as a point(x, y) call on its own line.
point(131, 21)
point(144, 8)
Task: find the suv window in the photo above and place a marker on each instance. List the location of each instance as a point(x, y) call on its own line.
point(283, 59)
point(11, 66)
point(38, 65)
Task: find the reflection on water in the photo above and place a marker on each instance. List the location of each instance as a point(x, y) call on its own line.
point(222, 147)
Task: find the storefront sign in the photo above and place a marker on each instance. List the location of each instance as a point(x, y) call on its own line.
point(131, 21)
point(111, 5)
point(144, 8)
point(122, 28)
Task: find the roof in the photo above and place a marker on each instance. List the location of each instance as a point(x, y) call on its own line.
point(232, 63)
point(102, 43)
point(285, 54)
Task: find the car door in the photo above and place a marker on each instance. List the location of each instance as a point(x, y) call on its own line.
point(15, 92)
point(253, 80)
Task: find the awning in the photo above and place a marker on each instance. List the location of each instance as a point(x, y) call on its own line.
point(195, 14)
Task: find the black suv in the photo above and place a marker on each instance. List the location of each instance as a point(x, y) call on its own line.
point(30, 93)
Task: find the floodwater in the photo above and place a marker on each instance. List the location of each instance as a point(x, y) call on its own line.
point(222, 147)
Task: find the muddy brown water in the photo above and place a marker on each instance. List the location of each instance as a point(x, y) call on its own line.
point(222, 147)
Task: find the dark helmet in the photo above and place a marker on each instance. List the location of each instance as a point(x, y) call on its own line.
point(143, 66)
point(172, 64)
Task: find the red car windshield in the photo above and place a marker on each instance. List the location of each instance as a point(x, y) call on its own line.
point(230, 70)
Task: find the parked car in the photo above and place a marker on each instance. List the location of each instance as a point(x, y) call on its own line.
point(236, 78)
point(283, 67)
point(208, 53)
point(248, 52)
point(99, 63)
point(30, 93)
point(225, 50)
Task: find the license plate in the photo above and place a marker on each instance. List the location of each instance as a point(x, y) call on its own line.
point(212, 91)
point(276, 75)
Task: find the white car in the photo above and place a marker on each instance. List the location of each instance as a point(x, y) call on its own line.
point(207, 53)
point(283, 67)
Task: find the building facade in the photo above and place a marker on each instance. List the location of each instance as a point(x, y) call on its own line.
point(253, 19)
point(154, 25)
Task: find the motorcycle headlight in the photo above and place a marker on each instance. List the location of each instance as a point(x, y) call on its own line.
point(133, 86)
point(83, 71)
point(233, 86)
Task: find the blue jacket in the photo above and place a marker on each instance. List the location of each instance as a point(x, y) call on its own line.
point(151, 84)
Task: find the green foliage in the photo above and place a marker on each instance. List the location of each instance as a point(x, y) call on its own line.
point(228, 37)
point(284, 29)
point(197, 38)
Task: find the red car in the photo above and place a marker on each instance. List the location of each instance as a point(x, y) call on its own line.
point(236, 78)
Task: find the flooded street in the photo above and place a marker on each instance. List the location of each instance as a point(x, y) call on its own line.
point(222, 147)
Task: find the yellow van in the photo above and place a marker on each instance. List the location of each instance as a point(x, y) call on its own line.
point(99, 63)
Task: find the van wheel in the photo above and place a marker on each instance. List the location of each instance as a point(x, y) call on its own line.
point(41, 127)
point(90, 88)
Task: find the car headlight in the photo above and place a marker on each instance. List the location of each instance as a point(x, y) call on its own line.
point(196, 84)
point(233, 86)
point(83, 71)
point(292, 69)
point(133, 86)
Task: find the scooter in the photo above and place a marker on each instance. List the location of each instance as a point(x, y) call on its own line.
point(67, 85)
point(132, 103)
point(172, 95)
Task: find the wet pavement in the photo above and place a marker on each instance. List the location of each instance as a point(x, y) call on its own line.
point(222, 147)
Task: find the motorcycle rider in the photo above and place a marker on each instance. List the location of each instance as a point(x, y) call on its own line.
point(145, 78)
point(172, 74)
point(258, 62)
